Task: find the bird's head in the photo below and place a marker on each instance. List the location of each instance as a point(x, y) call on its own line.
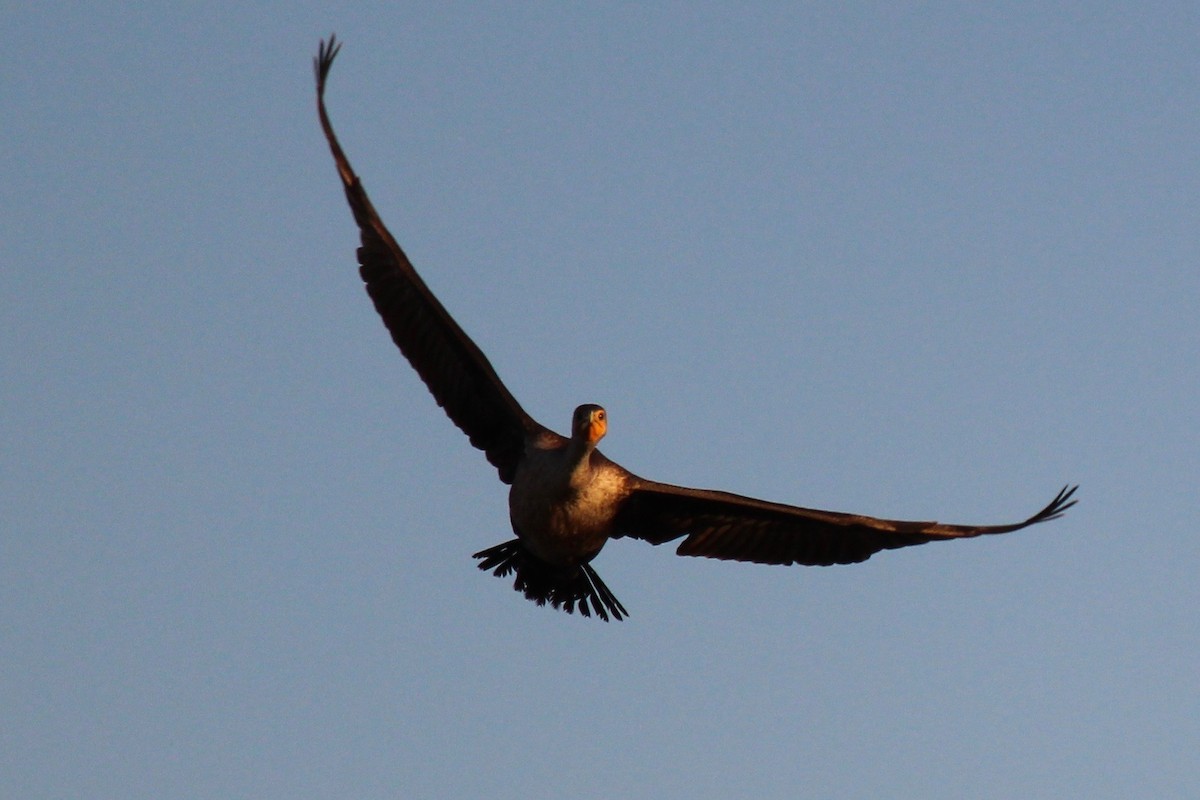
point(590, 423)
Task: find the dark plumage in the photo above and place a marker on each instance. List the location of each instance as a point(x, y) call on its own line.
point(566, 499)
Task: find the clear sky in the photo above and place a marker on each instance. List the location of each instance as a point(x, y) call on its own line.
point(913, 262)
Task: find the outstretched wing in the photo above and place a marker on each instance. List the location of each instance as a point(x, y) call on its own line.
point(732, 527)
point(452, 366)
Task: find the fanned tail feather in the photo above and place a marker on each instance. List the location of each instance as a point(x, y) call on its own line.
point(568, 588)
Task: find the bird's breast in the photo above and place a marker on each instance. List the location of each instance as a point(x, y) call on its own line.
point(564, 514)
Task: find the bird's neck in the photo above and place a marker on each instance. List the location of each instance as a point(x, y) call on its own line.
point(579, 461)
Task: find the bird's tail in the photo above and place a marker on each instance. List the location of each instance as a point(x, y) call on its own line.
point(567, 588)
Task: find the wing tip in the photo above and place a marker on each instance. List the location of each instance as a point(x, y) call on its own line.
point(327, 51)
point(1056, 507)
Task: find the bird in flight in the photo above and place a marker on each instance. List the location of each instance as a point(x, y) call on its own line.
point(566, 500)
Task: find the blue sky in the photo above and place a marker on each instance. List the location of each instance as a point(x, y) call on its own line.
point(919, 263)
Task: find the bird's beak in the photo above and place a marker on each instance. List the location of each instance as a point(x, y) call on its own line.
point(596, 429)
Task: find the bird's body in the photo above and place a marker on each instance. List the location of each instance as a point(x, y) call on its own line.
point(563, 503)
point(566, 500)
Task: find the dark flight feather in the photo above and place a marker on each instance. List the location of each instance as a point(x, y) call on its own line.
point(732, 527)
point(457, 373)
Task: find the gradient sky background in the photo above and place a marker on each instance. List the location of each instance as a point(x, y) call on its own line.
point(919, 263)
